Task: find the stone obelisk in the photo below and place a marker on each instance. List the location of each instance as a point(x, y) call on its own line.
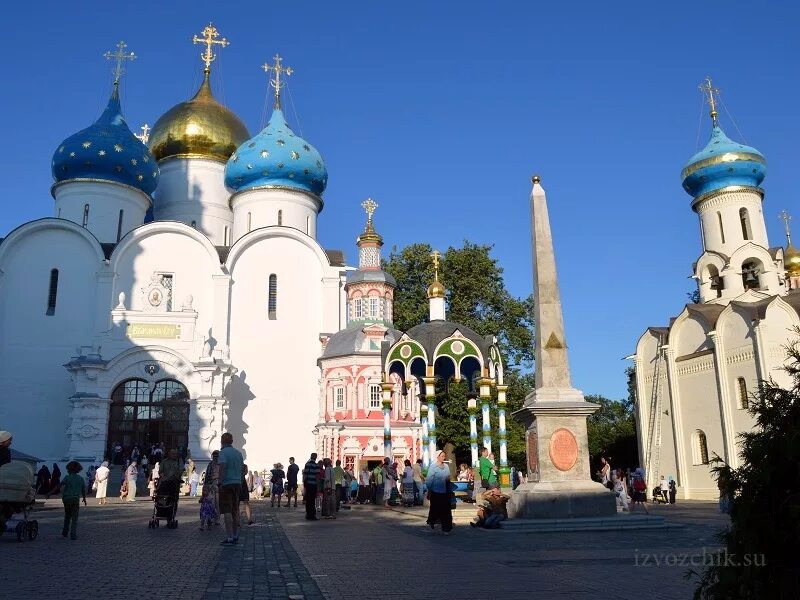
point(559, 483)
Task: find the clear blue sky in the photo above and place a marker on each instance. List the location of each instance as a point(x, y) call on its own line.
point(442, 111)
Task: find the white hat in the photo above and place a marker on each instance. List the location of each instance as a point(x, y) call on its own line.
point(5, 436)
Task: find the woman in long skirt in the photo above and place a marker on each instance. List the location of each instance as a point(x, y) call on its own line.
point(328, 491)
point(407, 483)
point(101, 481)
point(438, 482)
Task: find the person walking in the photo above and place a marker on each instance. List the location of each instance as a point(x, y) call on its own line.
point(310, 474)
point(328, 490)
point(43, 480)
point(194, 480)
point(276, 484)
point(419, 483)
point(291, 482)
point(377, 484)
point(620, 489)
point(389, 481)
point(673, 490)
point(131, 473)
point(73, 489)
point(363, 484)
point(101, 483)
point(244, 496)
point(212, 483)
point(664, 487)
point(231, 471)
point(338, 480)
point(438, 482)
point(605, 472)
point(407, 483)
point(639, 485)
point(485, 470)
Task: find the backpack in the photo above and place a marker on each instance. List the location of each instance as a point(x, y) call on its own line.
point(639, 485)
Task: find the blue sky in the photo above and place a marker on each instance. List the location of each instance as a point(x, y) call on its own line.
point(442, 111)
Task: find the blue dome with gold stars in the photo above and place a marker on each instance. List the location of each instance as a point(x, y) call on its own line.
point(723, 163)
point(276, 157)
point(107, 150)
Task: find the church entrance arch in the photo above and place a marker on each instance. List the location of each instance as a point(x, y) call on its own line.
point(143, 415)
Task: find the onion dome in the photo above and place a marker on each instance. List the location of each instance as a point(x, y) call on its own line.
point(723, 163)
point(198, 128)
point(791, 260)
point(107, 151)
point(277, 157)
point(436, 290)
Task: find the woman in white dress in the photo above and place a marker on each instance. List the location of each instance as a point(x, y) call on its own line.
point(101, 482)
point(620, 489)
point(131, 474)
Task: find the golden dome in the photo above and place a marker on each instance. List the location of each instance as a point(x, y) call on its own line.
point(199, 128)
point(791, 260)
point(436, 290)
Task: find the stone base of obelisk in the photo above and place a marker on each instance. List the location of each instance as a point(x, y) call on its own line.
point(561, 500)
point(559, 482)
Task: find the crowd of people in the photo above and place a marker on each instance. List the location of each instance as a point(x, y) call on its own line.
point(630, 486)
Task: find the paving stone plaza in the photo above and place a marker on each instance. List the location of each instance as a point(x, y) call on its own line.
point(367, 552)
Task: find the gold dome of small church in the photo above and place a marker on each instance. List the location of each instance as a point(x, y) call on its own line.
point(200, 127)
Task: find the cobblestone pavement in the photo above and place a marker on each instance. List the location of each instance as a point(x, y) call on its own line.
point(366, 553)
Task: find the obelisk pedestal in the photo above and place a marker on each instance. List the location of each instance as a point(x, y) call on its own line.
point(559, 482)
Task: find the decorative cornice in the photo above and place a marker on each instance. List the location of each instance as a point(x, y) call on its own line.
point(731, 189)
point(287, 188)
point(58, 184)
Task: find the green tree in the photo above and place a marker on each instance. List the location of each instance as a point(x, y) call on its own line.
point(612, 432)
point(762, 543)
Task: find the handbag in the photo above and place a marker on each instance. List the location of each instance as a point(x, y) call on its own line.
point(94, 486)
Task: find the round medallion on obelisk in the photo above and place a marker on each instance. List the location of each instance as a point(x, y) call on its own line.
point(563, 449)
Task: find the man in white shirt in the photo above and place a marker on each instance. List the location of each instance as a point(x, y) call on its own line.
point(665, 490)
point(419, 482)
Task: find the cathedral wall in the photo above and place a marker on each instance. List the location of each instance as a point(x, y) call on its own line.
point(253, 209)
point(33, 345)
point(274, 396)
point(738, 338)
point(725, 208)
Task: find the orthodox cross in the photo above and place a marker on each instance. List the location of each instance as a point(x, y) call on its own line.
point(120, 56)
point(210, 35)
point(144, 137)
point(712, 94)
point(786, 217)
point(436, 256)
point(369, 205)
point(278, 68)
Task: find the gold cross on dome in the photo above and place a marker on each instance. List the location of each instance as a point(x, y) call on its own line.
point(278, 68)
point(210, 35)
point(144, 137)
point(712, 95)
point(120, 56)
point(786, 217)
point(436, 256)
point(369, 205)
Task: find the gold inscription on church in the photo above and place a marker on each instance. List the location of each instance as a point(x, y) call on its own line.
point(154, 330)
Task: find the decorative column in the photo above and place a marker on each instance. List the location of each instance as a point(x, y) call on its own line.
point(388, 388)
point(423, 417)
point(430, 396)
point(485, 387)
point(472, 410)
point(504, 471)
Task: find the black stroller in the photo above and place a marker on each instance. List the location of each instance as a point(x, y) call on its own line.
point(165, 505)
point(23, 526)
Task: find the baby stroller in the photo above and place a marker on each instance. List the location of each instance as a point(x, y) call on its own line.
point(658, 496)
point(17, 498)
point(165, 505)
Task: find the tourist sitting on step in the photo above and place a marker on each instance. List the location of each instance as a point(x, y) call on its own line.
point(491, 509)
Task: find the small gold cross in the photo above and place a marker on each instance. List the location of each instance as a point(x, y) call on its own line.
point(786, 217)
point(712, 94)
point(278, 68)
point(120, 56)
point(210, 35)
point(436, 256)
point(144, 137)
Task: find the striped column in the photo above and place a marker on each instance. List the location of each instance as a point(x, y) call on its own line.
point(388, 388)
point(504, 471)
point(426, 455)
point(430, 396)
point(485, 386)
point(472, 410)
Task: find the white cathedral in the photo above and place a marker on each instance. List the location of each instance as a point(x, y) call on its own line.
point(696, 375)
point(178, 290)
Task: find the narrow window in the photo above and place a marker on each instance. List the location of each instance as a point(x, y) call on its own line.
point(721, 228)
point(700, 448)
point(359, 310)
point(272, 303)
point(226, 236)
point(85, 215)
point(280, 217)
point(340, 398)
point(744, 219)
point(119, 224)
point(750, 272)
point(741, 392)
point(374, 396)
point(373, 308)
point(59, 212)
point(194, 224)
point(52, 294)
point(249, 221)
point(308, 225)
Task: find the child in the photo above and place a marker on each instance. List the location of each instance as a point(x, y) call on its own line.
point(207, 512)
point(73, 488)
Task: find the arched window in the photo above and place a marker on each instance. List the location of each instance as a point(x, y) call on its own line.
point(741, 392)
point(699, 448)
point(52, 294)
point(249, 221)
point(280, 217)
point(85, 215)
point(721, 228)
point(272, 302)
point(358, 308)
point(715, 280)
point(119, 224)
point(194, 224)
point(744, 219)
point(141, 416)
